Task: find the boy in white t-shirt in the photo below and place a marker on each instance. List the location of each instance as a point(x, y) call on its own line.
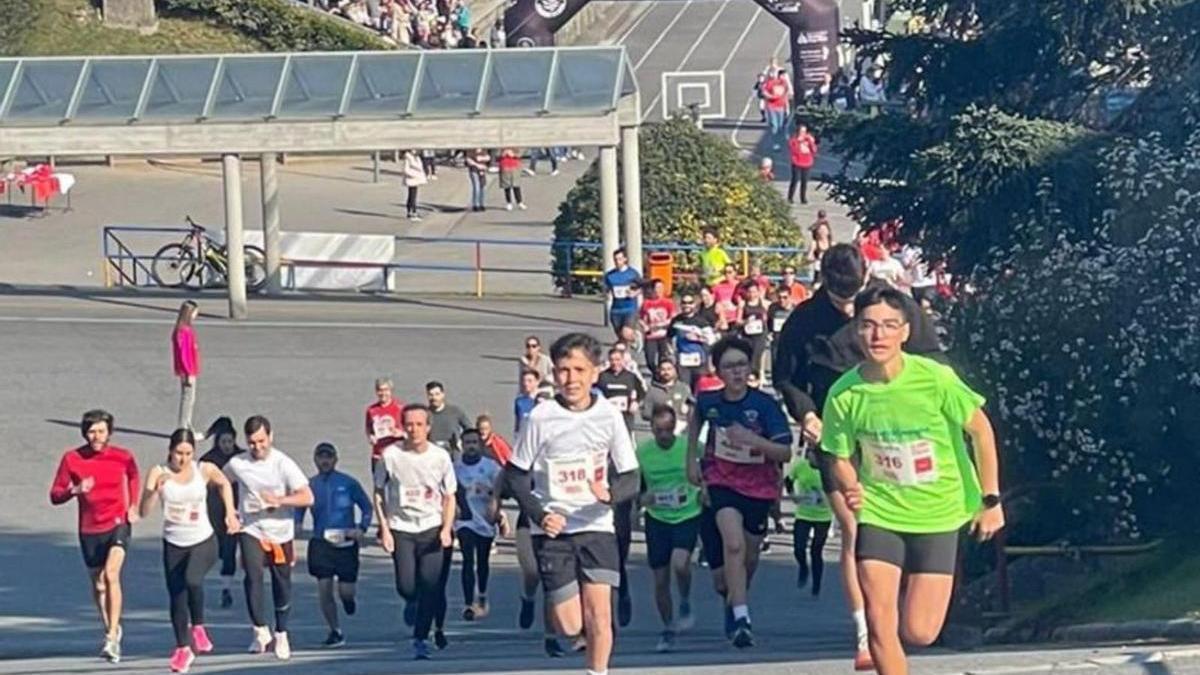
point(560, 475)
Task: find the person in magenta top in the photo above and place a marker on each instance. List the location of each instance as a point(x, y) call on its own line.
point(103, 478)
point(186, 353)
point(803, 150)
point(726, 295)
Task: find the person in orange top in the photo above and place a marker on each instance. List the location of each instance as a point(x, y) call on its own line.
point(510, 171)
point(798, 291)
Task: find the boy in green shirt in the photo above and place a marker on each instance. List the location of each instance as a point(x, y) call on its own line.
point(906, 416)
point(813, 515)
point(713, 258)
point(672, 524)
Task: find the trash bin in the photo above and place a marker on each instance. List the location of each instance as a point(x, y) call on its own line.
point(661, 266)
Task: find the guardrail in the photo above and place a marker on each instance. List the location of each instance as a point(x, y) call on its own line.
point(123, 265)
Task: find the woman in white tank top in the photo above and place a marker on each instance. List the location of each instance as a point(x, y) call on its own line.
point(189, 545)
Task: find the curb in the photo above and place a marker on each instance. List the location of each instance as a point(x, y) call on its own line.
point(1130, 659)
point(1176, 629)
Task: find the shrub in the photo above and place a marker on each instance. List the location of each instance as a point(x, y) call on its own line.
point(689, 179)
point(279, 25)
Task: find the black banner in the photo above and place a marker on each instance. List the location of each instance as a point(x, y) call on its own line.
point(533, 23)
point(813, 26)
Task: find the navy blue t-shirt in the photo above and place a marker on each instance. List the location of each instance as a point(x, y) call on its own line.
point(751, 475)
point(621, 284)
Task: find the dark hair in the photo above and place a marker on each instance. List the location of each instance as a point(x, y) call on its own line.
point(472, 431)
point(882, 295)
point(843, 270)
point(181, 436)
point(255, 423)
point(661, 410)
point(434, 384)
point(325, 448)
point(534, 338)
point(94, 417)
point(622, 251)
point(570, 342)
point(413, 407)
point(531, 372)
point(220, 426)
point(710, 230)
point(727, 343)
point(653, 281)
point(667, 360)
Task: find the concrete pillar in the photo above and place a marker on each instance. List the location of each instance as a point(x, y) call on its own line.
point(609, 227)
point(631, 184)
point(270, 222)
point(231, 170)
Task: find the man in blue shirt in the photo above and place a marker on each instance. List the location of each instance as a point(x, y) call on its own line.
point(333, 549)
point(529, 397)
point(621, 283)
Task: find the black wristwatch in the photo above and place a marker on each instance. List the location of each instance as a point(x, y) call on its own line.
point(991, 501)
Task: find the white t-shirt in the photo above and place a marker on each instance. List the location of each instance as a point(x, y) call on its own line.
point(565, 450)
point(414, 485)
point(185, 510)
point(478, 480)
point(277, 474)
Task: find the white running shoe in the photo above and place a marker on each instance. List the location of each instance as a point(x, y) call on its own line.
point(262, 640)
point(283, 650)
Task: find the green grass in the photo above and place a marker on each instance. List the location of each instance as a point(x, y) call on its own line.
point(73, 27)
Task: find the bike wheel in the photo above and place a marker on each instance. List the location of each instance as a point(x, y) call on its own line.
point(256, 268)
point(176, 266)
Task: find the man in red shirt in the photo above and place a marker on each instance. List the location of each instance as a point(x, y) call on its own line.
point(104, 480)
point(803, 149)
point(656, 314)
point(776, 91)
point(383, 420)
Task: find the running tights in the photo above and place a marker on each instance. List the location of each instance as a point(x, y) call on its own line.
point(476, 563)
point(253, 561)
point(623, 522)
point(185, 567)
point(417, 559)
point(820, 532)
point(227, 549)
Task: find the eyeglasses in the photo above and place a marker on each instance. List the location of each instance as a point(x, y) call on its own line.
point(882, 327)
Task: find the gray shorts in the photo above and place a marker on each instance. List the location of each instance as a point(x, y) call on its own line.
point(935, 553)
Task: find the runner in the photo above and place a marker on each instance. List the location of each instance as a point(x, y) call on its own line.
point(692, 333)
point(414, 495)
point(337, 535)
point(906, 415)
point(622, 389)
point(189, 543)
point(666, 389)
point(446, 421)
point(777, 316)
point(560, 476)
point(672, 521)
point(656, 314)
point(713, 258)
point(224, 448)
point(746, 442)
point(752, 318)
point(270, 484)
point(104, 479)
point(813, 515)
point(622, 283)
point(791, 286)
point(476, 476)
point(383, 419)
point(726, 296)
point(496, 447)
point(531, 394)
point(819, 343)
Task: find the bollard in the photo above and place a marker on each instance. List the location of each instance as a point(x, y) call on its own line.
point(478, 269)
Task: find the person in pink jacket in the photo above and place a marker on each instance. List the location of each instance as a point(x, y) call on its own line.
point(186, 354)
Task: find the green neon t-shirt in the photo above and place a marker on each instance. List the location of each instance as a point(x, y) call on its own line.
point(811, 503)
point(916, 474)
point(712, 264)
point(664, 471)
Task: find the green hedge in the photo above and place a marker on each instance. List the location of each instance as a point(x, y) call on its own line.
point(278, 24)
point(16, 19)
point(689, 179)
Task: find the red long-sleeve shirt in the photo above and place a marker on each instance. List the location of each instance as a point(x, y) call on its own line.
point(116, 486)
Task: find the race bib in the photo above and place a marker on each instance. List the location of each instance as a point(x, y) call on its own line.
point(620, 292)
point(670, 499)
point(251, 503)
point(777, 323)
point(338, 537)
point(754, 326)
point(621, 402)
point(811, 498)
point(730, 452)
point(182, 513)
point(690, 359)
point(570, 479)
point(900, 463)
point(384, 427)
point(415, 497)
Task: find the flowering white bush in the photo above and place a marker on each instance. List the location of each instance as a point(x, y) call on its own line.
point(1089, 351)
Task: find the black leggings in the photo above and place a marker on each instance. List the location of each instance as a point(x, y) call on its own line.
point(476, 562)
point(253, 561)
point(623, 522)
point(430, 165)
point(227, 549)
point(185, 567)
point(656, 351)
point(820, 532)
point(509, 192)
point(439, 616)
point(799, 175)
point(411, 204)
point(417, 560)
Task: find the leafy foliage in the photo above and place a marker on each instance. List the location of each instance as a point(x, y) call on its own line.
point(689, 179)
point(279, 25)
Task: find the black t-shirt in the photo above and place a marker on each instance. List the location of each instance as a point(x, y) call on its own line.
point(754, 322)
point(776, 316)
point(623, 390)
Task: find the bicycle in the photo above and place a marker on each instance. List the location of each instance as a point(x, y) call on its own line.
point(198, 261)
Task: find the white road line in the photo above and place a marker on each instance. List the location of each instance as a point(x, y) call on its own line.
point(625, 36)
point(750, 99)
point(692, 50)
point(666, 31)
point(741, 38)
point(223, 323)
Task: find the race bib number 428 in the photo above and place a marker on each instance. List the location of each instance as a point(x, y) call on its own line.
point(905, 463)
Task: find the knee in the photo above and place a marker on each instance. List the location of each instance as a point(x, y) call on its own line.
point(99, 583)
point(920, 632)
point(111, 579)
point(735, 548)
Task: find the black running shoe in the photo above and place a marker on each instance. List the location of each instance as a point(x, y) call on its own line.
point(439, 640)
point(335, 639)
point(742, 636)
point(553, 649)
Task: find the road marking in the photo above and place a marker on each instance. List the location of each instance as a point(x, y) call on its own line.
point(226, 323)
point(692, 50)
point(637, 22)
point(657, 41)
point(751, 98)
point(741, 38)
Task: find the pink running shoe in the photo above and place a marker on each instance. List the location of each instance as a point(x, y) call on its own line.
point(182, 659)
point(200, 640)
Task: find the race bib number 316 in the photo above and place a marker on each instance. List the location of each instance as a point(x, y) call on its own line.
point(905, 463)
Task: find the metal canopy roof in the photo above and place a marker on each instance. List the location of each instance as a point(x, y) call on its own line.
point(313, 86)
